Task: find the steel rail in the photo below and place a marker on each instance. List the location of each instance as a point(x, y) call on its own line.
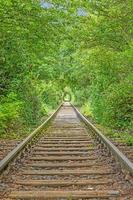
point(12, 154)
point(120, 157)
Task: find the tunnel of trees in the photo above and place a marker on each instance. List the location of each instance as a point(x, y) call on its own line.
point(83, 48)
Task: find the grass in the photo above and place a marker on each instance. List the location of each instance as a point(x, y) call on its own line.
point(18, 135)
point(116, 135)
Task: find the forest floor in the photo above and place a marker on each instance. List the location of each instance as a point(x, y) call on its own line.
point(6, 145)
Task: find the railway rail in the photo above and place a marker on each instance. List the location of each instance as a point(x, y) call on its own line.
point(66, 160)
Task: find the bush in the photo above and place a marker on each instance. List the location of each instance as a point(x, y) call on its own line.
point(9, 111)
point(86, 110)
point(119, 109)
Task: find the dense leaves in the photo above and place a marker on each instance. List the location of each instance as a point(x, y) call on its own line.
point(51, 47)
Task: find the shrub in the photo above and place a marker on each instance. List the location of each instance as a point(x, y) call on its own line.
point(9, 111)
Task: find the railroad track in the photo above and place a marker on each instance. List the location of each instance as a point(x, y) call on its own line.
point(66, 163)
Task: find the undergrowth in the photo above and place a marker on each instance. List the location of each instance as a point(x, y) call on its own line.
point(116, 135)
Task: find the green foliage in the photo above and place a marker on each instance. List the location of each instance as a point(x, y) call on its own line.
point(102, 65)
point(86, 110)
point(119, 99)
point(85, 46)
point(27, 64)
point(9, 110)
point(123, 137)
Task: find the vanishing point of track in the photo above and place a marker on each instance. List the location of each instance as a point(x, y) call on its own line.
point(66, 163)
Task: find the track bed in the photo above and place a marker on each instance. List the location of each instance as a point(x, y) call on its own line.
point(67, 164)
